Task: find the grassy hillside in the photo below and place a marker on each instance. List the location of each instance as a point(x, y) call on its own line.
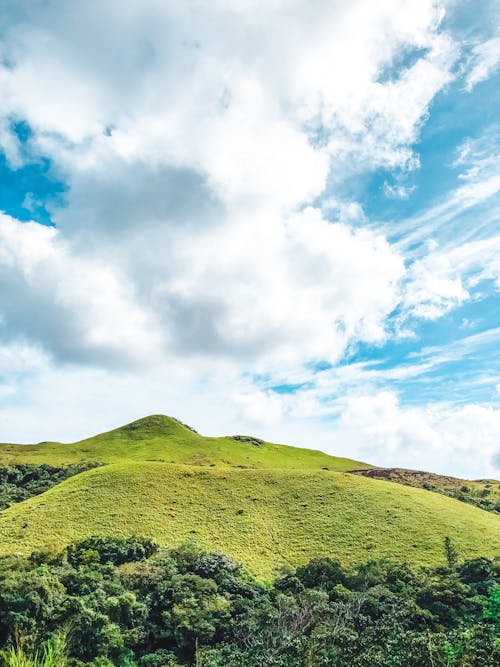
point(265, 504)
point(483, 493)
point(265, 518)
point(164, 439)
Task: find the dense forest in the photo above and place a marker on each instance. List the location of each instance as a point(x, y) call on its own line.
point(104, 602)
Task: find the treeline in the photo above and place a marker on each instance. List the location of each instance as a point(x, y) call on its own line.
point(107, 602)
point(19, 482)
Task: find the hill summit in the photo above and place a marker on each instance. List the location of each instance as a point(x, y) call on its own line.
point(167, 440)
point(154, 425)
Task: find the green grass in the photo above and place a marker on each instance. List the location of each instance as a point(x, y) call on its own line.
point(53, 653)
point(483, 493)
point(164, 439)
point(265, 518)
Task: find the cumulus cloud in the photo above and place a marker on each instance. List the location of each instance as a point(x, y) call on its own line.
point(308, 289)
point(258, 408)
point(259, 114)
point(382, 430)
point(166, 87)
point(76, 308)
point(189, 159)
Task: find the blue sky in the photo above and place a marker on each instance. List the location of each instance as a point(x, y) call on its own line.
point(28, 187)
point(293, 231)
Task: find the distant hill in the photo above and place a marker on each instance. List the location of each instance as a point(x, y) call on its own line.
point(483, 493)
point(264, 504)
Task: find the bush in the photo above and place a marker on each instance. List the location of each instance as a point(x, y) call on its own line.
point(110, 550)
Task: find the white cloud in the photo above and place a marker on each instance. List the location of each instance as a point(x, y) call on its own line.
point(308, 289)
point(78, 309)
point(447, 277)
point(452, 255)
point(397, 190)
point(258, 408)
point(189, 160)
point(478, 165)
point(312, 287)
point(434, 287)
point(483, 62)
point(463, 440)
point(242, 110)
point(20, 358)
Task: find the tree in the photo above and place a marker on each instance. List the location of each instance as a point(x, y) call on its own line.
point(451, 553)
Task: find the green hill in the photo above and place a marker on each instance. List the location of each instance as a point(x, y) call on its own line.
point(267, 505)
point(166, 440)
point(265, 518)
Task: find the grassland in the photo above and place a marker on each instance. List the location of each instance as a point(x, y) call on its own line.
point(265, 518)
point(166, 440)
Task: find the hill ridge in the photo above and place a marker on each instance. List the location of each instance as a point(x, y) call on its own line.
point(167, 439)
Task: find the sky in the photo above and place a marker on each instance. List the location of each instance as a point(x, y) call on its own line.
point(258, 216)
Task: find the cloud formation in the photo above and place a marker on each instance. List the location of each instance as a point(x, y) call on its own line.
point(212, 153)
point(187, 157)
point(483, 62)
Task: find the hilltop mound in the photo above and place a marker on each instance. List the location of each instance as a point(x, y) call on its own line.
point(167, 440)
point(152, 426)
point(265, 518)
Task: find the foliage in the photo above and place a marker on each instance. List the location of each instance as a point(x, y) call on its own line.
point(482, 493)
point(54, 653)
point(479, 497)
point(105, 550)
point(21, 481)
point(185, 607)
point(451, 553)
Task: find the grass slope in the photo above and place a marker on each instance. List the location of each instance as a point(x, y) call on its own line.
point(164, 439)
point(484, 493)
point(265, 518)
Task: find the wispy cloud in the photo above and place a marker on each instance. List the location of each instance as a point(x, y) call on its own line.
point(483, 62)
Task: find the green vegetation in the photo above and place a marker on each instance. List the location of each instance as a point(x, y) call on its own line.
point(264, 518)
point(164, 439)
point(54, 653)
point(482, 493)
point(266, 505)
point(330, 552)
point(129, 604)
point(22, 481)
